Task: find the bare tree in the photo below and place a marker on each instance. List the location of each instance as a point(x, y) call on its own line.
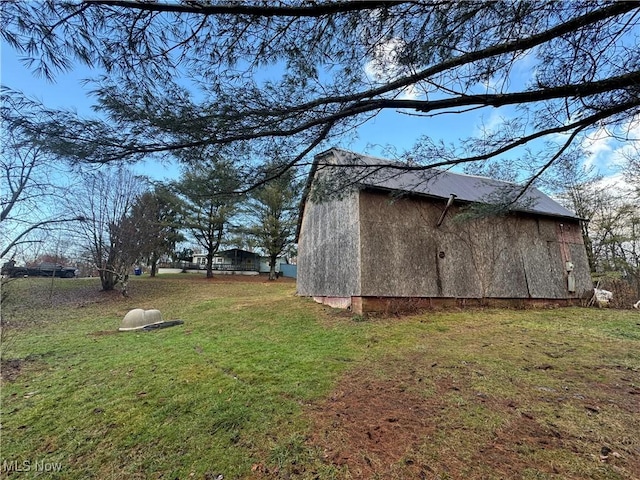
point(609, 213)
point(631, 169)
point(578, 187)
point(298, 74)
point(616, 241)
point(105, 200)
point(32, 182)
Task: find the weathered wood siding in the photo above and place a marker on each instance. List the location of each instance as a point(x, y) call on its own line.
point(328, 249)
point(404, 254)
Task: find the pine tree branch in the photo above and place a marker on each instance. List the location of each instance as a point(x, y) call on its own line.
point(316, 9)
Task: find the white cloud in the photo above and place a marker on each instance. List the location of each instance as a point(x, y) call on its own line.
point(384, 67)
point(616, 184)
point(599, 144)
point(608, 150)
point(490, 123)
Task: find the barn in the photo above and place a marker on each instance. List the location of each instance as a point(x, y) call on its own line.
point(373, 237)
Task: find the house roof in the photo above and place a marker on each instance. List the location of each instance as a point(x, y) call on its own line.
point(366, 171)
point(237, 252)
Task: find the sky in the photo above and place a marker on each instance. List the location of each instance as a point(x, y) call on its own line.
point(66, 92)
point(389, 128)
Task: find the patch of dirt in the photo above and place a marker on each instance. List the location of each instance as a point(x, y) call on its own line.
point(10, 369)
point(521, 434)
point(621, 389)
point(383, 422)
point(370, 424)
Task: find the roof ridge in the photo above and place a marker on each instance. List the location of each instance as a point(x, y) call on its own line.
point(442, 183)
point(439, 169)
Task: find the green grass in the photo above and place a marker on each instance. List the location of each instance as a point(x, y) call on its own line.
point(230, 391)
point(189, 399)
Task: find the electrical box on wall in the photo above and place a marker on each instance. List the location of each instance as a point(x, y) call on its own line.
point(571, 278)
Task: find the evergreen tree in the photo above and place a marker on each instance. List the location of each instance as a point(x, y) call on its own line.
point(208, 203)
point(272, 210)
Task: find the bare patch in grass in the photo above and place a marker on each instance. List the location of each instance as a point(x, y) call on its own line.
point(370, 424)
point(387, 421)
point(12, 368)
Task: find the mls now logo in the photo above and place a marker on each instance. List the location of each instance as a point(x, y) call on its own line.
point(30, 466)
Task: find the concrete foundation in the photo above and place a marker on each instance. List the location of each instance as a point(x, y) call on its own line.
point(395, 305)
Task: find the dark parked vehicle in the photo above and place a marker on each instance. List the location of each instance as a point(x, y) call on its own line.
point(43, 270)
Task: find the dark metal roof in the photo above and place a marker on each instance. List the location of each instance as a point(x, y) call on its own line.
point(365, 171)
point(237, 252)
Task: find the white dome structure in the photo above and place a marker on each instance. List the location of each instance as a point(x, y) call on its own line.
point(138, 319)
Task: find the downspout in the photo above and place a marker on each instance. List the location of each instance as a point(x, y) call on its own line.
point(446, 209)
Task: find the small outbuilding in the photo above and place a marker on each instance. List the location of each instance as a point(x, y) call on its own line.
point(395, 240)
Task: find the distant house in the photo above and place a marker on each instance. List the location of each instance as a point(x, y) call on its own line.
point(396, 240)
point(232, 260)
point(235, 260)
point(264, 264)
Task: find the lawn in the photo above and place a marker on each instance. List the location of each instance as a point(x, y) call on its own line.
point(259, 383)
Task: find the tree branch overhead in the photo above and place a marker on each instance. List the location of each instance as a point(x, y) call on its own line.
point(289, 76)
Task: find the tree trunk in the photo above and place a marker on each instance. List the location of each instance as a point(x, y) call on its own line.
point(154, 265)
point(209, 264)
point(272, 268)
point(108, 279)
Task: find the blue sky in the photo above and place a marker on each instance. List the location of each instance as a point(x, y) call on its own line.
point(387, 129)
point(68, 92)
